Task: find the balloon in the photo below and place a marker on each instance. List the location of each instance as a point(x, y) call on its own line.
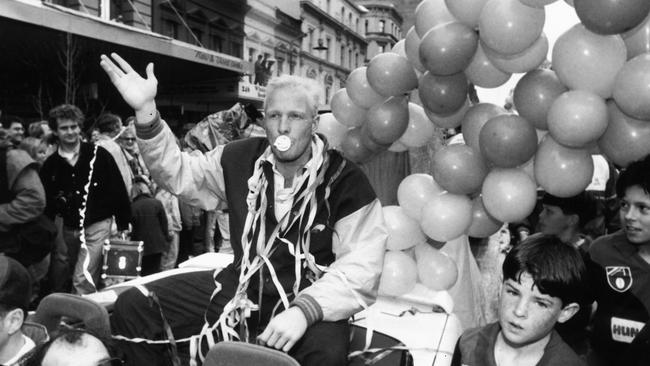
point(446, 216)
point(577, 118)
point(414, 191)
point(509, 27)
point(398, 275)
point(391, 74)
point(524, 61)
point(466, 11)
point(399, 48)
point(626, 139)
point(611, 17)
point(482, 72)
point(535, 93)
point(509, 195)
point(359, 91)
point(459, 169)
point(430, 13)
point(588, 61)
point(371, 144)
point(562, 171)
point(448, 48)
point(398, 147)
point(345, 111)
point(436, 270)
point(353, 148)
point(412, 49)
point(403, 231)
point(508, 141)
point(443, 94)
point(420, 130)
point(388, 121)
point(483, 224)
point(474, 120)
point(333, 131)
point(529, 168)
point(537, 3)
point(637, 40)
point(452, 120)
point(632, 87)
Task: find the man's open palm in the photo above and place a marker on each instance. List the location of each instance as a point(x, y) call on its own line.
point(137, 91)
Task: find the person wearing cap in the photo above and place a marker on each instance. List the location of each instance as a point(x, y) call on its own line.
point(307, 231)
point(15, 295)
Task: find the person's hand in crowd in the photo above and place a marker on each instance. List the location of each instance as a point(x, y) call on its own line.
point(284, 330)
point(137, 91)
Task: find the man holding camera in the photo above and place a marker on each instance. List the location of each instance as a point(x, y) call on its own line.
point(84, 186)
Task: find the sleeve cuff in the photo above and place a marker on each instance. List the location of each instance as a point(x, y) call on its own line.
point(309, 307)
point(151, 129)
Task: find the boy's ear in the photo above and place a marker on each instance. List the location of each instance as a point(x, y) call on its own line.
point(568, 312)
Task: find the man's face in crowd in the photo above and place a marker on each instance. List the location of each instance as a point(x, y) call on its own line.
point(16, 132)
point(288, 113)
point(635, 215)
point(89, 352)
point(127, 140)
point(552, 220)
point(68, 132)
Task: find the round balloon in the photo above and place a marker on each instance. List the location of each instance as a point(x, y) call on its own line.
point(535, 93)
point(537, 3)
point(333, 131)
point(371, 144)
point(527, 60)
point(626, 138)
point(430, 13)
point(466, 11)
point(637, 40)
point(459, 169)
point(399, 48)
point(412, 49)
point(448, 48)
point(398, 275)
point(482, 72)
point(388, 121)
point(483, 224)
point(443, 94)
point(360, 91)
point(588, 61)
point(414, 191)
point(474, 120)
point(508, 141)
point(452, 120)
point(509, 27)
point(391, 74)
point(611, 17)
point(420, 130)
point(632, 87)
point(345, 111)
point(436, 270)
point(446, 216)
point(398, 147)
point(577, 118)
point(509, 195)
point(353, 148)
point(403, 231)
point(562, 171)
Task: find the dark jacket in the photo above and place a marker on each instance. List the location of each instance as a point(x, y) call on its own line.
point(65, 186)
point(149, 224)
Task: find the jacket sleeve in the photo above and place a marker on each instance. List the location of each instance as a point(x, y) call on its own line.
point(28, 202)
point(359, 246)
point(195, 178)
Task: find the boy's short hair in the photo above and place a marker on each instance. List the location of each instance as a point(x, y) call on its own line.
point(582, 205)
point(9, 120)
point(15, 286)
point(557, 268)
point(65, 111)
point(108, 123)
point(636, 174)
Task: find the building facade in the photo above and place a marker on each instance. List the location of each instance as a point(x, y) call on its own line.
point(382, 25)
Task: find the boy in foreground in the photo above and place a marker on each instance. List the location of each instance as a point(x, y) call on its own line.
point(543, 279)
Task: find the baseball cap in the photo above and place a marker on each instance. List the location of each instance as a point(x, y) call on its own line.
point(15, 284)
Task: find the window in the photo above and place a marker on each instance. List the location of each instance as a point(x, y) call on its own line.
point(236, 49)
point(251, 54)
point(382, 48)
point(216, 43)
point(382, 26)
point(366, 26)
point(170, 28)
point(342, 55)
point(311, 40)
point(328, 44)
point(350, 58)
point(199, 36)
point(329, 8)
point(356, 26)
point(356, 59)
point(350, 20)
point(342, 14)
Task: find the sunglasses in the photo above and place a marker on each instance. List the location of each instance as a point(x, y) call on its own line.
point(113, 361)
point(127, 138)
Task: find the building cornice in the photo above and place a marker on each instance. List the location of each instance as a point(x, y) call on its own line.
point(307, 5)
